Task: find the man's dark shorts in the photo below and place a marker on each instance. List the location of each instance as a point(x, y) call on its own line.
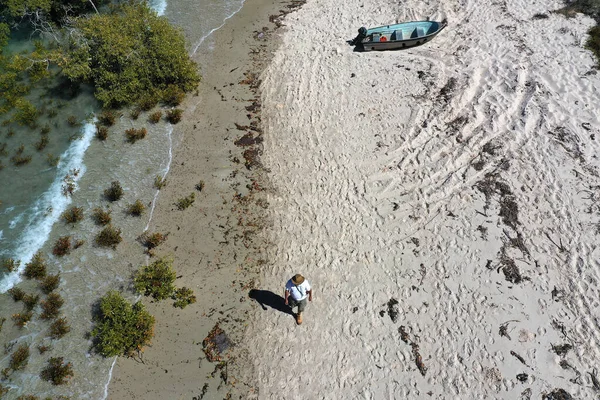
point(300, 303)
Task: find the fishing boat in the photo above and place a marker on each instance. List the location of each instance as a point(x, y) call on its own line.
point(397, 36)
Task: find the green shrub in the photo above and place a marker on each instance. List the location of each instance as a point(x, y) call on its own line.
point(30, 301)
point(114, 192)
point(19, 160)
point(41, 145)
point(21, 319)
point(52, 159)
point(185, 202)
point(101, 217)
point(147, 102)
point(108, 117)
point(159, 182)
point(156, 279)
point(3, 390)
point(136, 209)
point(42, 348)
point(152, 240)
point(121, 328)
point(174, 116)
point(59, 328)
point(20, 358)
point(72, 121)
point(129, 54)
point(36, 268)
point(50, 283)
point(72, 215)
point(109, 237)
point(200, 186)
point(172, 96)
point(62, 247)
point(101, 132)
point(45, 129)
point(155, 117)
point(10, 264)
point(57, 371)
point(135, 113)
point(17, 293)
point(133, 135)
point(51, 306)
point(183, 297)
point(78, 243)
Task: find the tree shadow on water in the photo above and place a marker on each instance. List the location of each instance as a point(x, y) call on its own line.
point(267, 298)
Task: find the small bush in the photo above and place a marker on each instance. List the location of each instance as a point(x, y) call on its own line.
point(185, 202)
point(62, 247)
point(59, 328)
point(78, 243)
point(109, 237)
point(58, 372)
point(16, 293)
point(20, 358)
point(21, 319)
point(114, 192)
point(101, 217)
point(135, 113)
point(42, 348)
point(121, 328)
point(50, 283)
point(3, 390)
point(36, 268)
point(51, 306)
point(183, 297)
point(174, 116)
point(10, 264)
point(172, 96)
point(19, 160)
point(72, 120)
point(136, 209)
point(200, 186)
point(156, 279)
point(52, 159)
point(147, 102)
point(45, 129)
point(159, 182)
point(101, 132)
point(41, 145)
point(108, 117)
point(72, 215)
point(152, 240)
point(133, 135)
point(30, 301)
point(155, 117)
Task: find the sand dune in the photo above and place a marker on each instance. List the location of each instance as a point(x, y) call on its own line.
point(459, 179)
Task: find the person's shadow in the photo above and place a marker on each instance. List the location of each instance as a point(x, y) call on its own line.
point(267, 298)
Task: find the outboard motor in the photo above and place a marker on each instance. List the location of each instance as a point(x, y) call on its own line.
point(362, 33)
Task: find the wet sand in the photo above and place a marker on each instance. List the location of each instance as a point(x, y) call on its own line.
point(216, 243)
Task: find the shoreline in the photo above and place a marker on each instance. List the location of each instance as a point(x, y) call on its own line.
point(216, 244)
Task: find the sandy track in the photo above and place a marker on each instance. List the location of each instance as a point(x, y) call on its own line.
point(459, 178)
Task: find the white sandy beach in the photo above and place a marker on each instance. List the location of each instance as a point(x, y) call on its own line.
point(380, 166)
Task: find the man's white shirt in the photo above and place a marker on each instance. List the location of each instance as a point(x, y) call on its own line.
point(298, 292)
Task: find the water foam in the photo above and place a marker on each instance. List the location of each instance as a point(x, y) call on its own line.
point(203, 38)
point(160, 6)
point(165, 172)
point(47, 208)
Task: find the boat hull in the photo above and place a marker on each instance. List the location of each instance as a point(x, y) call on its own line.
point(399, 36)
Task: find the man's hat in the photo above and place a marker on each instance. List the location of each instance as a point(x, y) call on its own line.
point(297, 279)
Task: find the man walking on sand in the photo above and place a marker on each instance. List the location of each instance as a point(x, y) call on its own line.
point(297, 290)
